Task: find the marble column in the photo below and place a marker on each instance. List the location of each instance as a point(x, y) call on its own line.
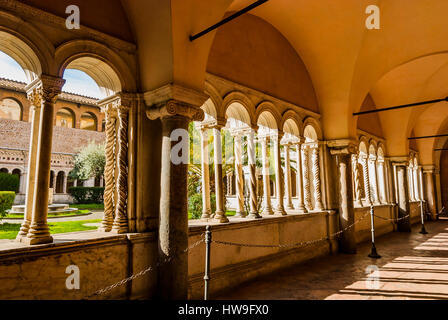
point(300, 206)
point(109, 170)
point(365, 172)
point(374, 181)
point(206, 208)
point(288, 187)
point(267, 210)
point(220, 215)
point(306, 179)
point(35, 97)
point(403, 225)
point(175, 116)
point(430, 191)
point(356, 181)
point(253, 210)
point(39, 232)
point(239, 176)
point(280, 210)
point(318, 206)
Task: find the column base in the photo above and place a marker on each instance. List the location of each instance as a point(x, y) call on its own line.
point(37, 240)
point(205, 215)
point(268, 211)
point(254, 215)
point(119, 227)
point(289, 207)
point(280, 212)
point(220, 217)
point(240, 215)
point(23, 231)
point(106, 226)
point(301, 209)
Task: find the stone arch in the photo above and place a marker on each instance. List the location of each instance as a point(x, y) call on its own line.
point(88, 121)
point(59, 188)
point(240, 98)
point(65, 117)
point(291, 123)
point(363, 143)
point(14, 108)
point(310, 122)
point(268, 107)
point(372, 148)
point(381, 153)
point(215, 99)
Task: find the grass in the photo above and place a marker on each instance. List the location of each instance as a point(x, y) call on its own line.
point(228, 213)
point(10, 230)
point(68, 214)
point(88, 206)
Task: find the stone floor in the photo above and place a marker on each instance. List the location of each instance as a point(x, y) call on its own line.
point(413, 266)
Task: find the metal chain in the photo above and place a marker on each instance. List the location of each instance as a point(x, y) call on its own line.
point(292, 245)
point(393, 219)
point(143, 272)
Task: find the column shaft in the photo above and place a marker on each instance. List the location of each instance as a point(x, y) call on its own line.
point(300, 206)
point(357, 181)
point(220, 215)
point(318, 206)
point(430, 194)
point(404, 224)
point(253, 214)
point(239, 177)
point(374, 182)
point(267, 210)
point(206, 208)
point(288, 187)
point(306, 180)
point(365, 171)
point(278, 178)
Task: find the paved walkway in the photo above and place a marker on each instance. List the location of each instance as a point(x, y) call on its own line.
point(413, 266)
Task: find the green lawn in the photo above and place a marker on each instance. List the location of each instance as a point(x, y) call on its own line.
point(68, 214)
point(88, 206)
point(228, 213)
point(10, 230)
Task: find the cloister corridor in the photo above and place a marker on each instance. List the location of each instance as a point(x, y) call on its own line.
point(413, 266)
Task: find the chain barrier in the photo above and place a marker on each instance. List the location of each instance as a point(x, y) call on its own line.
point(143, 272)
point(392, 219)
point(292, 245)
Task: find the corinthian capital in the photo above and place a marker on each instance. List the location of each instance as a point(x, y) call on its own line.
point(46, 88)
point(173, 108)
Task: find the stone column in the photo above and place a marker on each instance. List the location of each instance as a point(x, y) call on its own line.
point(64, 183)
point(374, 181)
point(356, 180)
point(343, 150)
point(120, 224)
point(206, 208)
point(253, 214)
point(288, 187)
point(267, 210)
point(53, 181)
point(220, 215)
point(38, 232)
point(35, 97)
point(318, 206)
point(428, 172)
point(278, 177)
point(301, 206)
point(403, 225)
point(438, 191)
point(415, 184)
point(306, 179)
point(239, 177)
point(173, 212)
point(382, 181)
point(109, 170)
point(365, 172)
point(411, 183)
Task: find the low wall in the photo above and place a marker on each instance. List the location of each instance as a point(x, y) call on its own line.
point(382, 226)
point(233, 265)
point(38, 272)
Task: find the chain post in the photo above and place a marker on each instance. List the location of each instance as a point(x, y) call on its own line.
point(208, 241)
point(423, 230)
point(373, 254)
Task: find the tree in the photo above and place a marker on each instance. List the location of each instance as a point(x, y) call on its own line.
point(89, 162)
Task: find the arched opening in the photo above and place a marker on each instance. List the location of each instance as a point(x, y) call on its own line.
point(4, 170)
point(88, 121)
point(10, 109)
point(65, 118)
point(17, 173)
point(60, 182)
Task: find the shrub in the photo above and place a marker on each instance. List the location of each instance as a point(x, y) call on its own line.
point(9, 182)
point(87, 194)
point(195, 205)
point(6, 201)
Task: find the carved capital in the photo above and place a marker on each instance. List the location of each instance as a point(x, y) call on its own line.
point(342, 146)
point(172, 108)
point(51, 87)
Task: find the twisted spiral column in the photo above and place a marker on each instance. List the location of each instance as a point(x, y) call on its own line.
point(306, 180)
point(240, 212)
point(365, 172)
point(318, 206)
point(357, 181)
point(109, 173)
point(301, 205)
point(374, 181)
point(280, 209)
point(266, 178)
point(120, 224)
point(253, 214)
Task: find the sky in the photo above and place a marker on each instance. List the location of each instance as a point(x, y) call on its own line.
point(77, 82)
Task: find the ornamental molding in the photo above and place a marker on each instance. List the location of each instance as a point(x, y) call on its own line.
point(175, 92)
point(175, 108)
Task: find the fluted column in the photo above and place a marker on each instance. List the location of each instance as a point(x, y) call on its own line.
point(300, 206)
point(356, 180)
point(306, 179)
point(35, 97)
point(288, 187)
point(318, 206)
point(38, 232)
point(278, 177)
point(267, 210)
point(206, 208)
point(239, 177)
point(253, 214)
point(109, 170)
point(220, 215)
point(374, 181)
point(365, 172)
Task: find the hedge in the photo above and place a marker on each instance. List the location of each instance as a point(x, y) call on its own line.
point(6, 201)
point(9, 182)
point(195, 205)
point(87, 194)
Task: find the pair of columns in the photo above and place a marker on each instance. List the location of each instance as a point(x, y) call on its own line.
point(42, 93)
point(374, 178)
point(116, 169)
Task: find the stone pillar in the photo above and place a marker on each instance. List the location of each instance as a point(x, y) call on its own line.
point(64, 183)
point(415, 184)
point(38, 232)
point(288, 187)
point(206, 208)
point(109, 170)
point(411, 183)
point(301, 206)
point(382, 181)
point(356, 181)
point(306, 180)
point(239, 176)
point(220, 214)
point(173, 212)
point(120, 224)
point(403, 225)
point(318, 206)
point(365, 172)
point(253, 214)
point(267, 210)
point(343, 150)
point(278, 177)
point(374, 181)
point(428, 172)
point(438, 191)
point(35, 97)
